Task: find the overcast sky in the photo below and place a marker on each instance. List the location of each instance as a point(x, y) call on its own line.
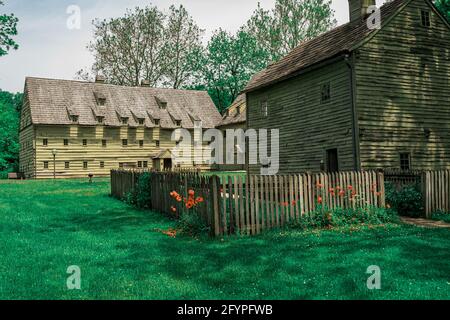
point(49, 49)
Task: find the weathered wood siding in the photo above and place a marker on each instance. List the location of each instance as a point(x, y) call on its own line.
point(402, 79)
point(26, 140)
point(94, 152)
point(307, 126)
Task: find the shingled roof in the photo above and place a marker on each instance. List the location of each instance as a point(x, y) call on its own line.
point(331, 44)
point(232, 115)
point(54, 101)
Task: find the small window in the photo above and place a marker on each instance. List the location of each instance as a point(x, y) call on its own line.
point(145, 164)
point(178, 123)
point(141, 122)
point(326, 92)
point(163, 105)
point(102, 164)
point(124, 142)
point(139, 164)
point(67, 165)
point(45, 142)
point(158, 143)
point(157, 122)
point(66, 142)
point(405, 161)
point(264, 109)
point(332, 160)
point(141, 143)
point(74, 119)
point(238, 111)
point(124, 121)
point(104, 143)
point(100, 120)
point(85, 165)
point(425, 16)
point(101, 102)
point(45, 164)
point(85, 142)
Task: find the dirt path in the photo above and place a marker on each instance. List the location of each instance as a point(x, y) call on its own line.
point(426, 223)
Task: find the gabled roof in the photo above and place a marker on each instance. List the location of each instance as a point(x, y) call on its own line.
point(232, 116)
point(52, 100)
point(334, 43)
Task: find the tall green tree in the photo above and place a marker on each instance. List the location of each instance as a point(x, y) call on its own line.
point(444, 7)
point(10, 105)
point(8, 29)
point(228, 63)
point(290, 23)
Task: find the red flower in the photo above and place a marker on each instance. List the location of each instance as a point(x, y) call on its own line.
point(191, 193)
point(319, 200)
point(199, 200)
point(350, 187)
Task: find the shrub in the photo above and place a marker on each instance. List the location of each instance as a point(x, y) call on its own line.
point(323, 217)
point(441, 216)
point(141, 195)
point(192, 224)
point(407, 201)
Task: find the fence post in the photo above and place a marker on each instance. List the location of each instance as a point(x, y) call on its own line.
point(214, 181)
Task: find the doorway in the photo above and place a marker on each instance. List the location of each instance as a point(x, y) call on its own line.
point(167, 164)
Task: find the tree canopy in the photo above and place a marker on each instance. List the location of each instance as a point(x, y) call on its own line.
point(444, 7)
point(10, 105)
point(8, 29)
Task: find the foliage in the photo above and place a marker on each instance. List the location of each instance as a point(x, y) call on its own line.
point(290, 23)
point(8, 29)
point(145, 44)
point(10, 105)
point(444, 7)
point(141, 196)
point(227, 64)
point(441, 216)
point(324, 218)
point(407, 201)
point(193, 225)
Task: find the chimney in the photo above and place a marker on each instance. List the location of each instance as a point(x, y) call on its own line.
point(145, 83)
point(100, 79)
point(358, 8)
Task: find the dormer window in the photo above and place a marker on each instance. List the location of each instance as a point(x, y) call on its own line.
point(157, 122)
point(238, 111)
point(100, 120)
point(163, 105)
point(141, 122)
point(178, 123)
point(74, 118)
point(100, 98)
point(124, 121)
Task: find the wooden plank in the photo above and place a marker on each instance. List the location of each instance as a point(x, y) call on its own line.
point(247, 205)
point(252, 205)
point(277, 201)
point(230, 205)
point(257, 213)
point(243, 228)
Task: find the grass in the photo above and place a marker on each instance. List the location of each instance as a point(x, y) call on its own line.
point(441, 216)
point(46, 226)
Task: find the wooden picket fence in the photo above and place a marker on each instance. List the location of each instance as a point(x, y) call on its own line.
point(252, 204)
point(436, 191)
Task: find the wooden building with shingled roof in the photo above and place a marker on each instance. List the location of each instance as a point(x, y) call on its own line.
point(361, 98)
point(94, 127)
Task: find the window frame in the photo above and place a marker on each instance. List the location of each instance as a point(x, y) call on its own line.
point(46, 165)
point(45, 142)
point(264, 109)
point(66, 165)
point(85, 165)
point(102, 164)
point(325, 97)
point(104, 143)
point(425, 17)
point(85, 142)
point(403, 160)
point(124, 142)
point(141, 143)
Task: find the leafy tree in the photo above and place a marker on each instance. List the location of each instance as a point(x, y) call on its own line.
point(145, 44)
point(182, 46)
point(10, 105)
point(444, 7)
point(290, 23)
point(130, 48)
point(8, 29)
point(228, 63)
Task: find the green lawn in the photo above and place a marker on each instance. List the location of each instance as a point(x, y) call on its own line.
point(46, 226)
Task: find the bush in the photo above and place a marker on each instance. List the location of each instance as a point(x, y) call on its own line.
point(193, 225)
point(441, 216)
point(141, 196)
point(407, 201)
point(323, 217)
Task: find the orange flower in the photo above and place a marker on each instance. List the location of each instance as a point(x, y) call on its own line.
point(191, 193)
point(342, 193)
point(350, 187)
point(173, 209)
point(179, 199)
point(319, 200)
point(294, 202)
point(189, 205)
point(199, 200)
point(331, 190)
